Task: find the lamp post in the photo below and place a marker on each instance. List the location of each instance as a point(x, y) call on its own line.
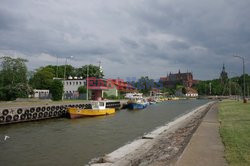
point(64, 75)
point(244, 79)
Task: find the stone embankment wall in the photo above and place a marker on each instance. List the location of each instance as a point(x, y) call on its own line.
point(23, 114)
point(159, 147)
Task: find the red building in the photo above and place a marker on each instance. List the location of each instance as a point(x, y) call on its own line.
point(185, 79)
point(97, 87)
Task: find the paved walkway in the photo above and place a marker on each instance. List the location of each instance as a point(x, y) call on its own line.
point(205, 147)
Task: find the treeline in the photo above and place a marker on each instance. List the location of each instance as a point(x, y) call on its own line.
point(230, 86)
point(145, 85)
point(17, 82)
point(43, 76)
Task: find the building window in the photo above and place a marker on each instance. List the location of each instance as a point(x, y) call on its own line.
point(69, 83)
point(76, 83)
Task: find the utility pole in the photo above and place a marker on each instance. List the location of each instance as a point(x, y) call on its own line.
point(87, 94)
point(244, 78)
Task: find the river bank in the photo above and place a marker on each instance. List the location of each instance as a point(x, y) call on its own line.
point(38, 102)
point(160, 147)
point(235, 131)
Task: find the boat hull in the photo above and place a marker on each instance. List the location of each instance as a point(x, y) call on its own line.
point(134, 106)
point(79, 113)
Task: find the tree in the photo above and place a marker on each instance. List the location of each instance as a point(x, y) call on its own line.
point(93, 71)
point(82, 90)
point(42, 78)
point(168, 91)
point(145, 84)
point(13, 79)
point(56, 89)
point(13, 71)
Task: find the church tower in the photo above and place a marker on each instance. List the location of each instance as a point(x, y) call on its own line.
point(223, 75)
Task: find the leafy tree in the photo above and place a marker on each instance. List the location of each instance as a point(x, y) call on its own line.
point(240, 81)
point(82, 89)
point(145, 84)
point(169, 91)
point(42, 78)
point(58, 71)
point(13, 71)
point(231, 87)
point(13, 79)
point(93, 71)
point(56, 89)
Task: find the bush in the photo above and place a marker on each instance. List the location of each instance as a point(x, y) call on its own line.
point(13, 92)
point(82, 90)
point(56, 89)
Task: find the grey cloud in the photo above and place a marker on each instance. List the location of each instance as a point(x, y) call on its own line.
point(166, 35)
point(129, 43)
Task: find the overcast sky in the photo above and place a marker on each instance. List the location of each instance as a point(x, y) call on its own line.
point(131, 38)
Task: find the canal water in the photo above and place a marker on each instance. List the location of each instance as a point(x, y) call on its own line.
point(63, 142)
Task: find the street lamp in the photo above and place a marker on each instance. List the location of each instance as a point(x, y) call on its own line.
point(64, 75)
point(244, 79)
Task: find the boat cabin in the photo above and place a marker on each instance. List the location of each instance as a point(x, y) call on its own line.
point(101, 105)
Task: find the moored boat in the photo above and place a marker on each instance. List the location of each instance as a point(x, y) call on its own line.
point(97, 109)
point(136, 101)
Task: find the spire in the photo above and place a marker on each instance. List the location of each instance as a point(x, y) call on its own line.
point(179, 71)
point(223, 68)
point(223, 75)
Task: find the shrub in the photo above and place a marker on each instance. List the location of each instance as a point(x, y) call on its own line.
point(56, 89)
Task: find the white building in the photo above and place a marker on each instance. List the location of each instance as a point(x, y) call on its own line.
point(41, 93)
point(190, 92)
point(72, 84)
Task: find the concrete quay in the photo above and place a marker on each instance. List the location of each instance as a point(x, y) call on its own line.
point(205, 147)
point(14, 112)
point(174, 143)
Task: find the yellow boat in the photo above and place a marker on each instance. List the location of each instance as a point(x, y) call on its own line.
point(98, 109)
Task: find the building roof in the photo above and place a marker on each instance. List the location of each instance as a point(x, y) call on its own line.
point(191, 91)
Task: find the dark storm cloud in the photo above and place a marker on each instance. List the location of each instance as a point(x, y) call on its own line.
point(147, 36)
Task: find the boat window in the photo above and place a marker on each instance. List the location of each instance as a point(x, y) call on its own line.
point(95, 105)
point(101, 103)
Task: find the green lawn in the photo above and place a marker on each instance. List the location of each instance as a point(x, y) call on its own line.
point(235, 131)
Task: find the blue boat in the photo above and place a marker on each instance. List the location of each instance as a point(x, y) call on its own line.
point(134, 106)
point(136, 101)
